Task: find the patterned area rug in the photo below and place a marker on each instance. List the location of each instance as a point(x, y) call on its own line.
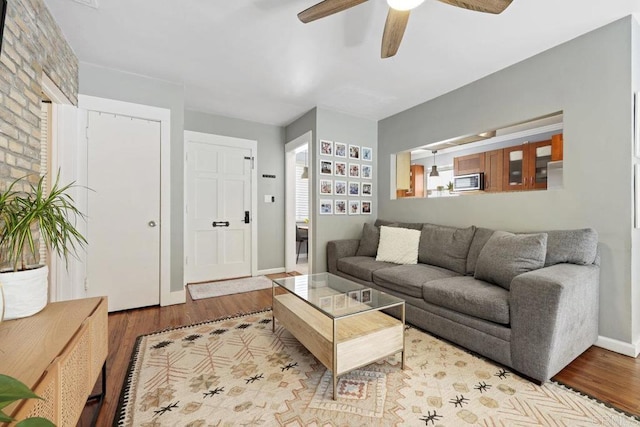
point(238, 372)
point(228, 287)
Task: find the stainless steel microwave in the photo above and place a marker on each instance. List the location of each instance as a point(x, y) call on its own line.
point(473, 181)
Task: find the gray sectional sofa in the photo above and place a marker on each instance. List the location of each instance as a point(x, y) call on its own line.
point(527, 301)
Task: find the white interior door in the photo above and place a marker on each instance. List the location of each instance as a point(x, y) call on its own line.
point(123, 259)
point(218, 207)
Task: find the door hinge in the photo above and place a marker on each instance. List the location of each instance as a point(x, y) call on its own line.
point(252, 159)
point(186, 157)
point(86, 284)
point(186, 260)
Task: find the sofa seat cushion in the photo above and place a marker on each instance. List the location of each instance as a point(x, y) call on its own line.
point(409, 279)
point(361, 267)
point(469, 296)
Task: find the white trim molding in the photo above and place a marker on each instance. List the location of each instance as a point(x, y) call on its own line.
point(627, 349)
point(291, 148)
point(162, 115)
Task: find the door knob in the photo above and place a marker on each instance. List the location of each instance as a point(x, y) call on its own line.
point(152, 224)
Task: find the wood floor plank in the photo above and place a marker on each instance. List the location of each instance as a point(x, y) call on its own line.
point(608, 376)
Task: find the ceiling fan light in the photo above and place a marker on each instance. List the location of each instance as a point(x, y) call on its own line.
point(404, 4)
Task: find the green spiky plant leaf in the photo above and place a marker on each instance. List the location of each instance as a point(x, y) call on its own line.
point(12, 390)
point(23, 213)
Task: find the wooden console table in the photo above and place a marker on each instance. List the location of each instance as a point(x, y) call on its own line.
point(59, 353)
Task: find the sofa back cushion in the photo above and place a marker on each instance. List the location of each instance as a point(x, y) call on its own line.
point(507, 255)
point(445, 247)
point(572, 246)
point(369, 240)
point(480, 238)
point(398, 245)
point(409, 225)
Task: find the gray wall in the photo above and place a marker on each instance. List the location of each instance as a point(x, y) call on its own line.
point(118, 85)
point(589, 79)
point(335, 126)
point(270, 161)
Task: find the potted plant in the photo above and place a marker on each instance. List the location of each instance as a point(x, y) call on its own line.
point(450, 187)
point(12, 390)
point(26, 217)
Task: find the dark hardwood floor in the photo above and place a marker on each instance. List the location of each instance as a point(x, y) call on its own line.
point(608, 376)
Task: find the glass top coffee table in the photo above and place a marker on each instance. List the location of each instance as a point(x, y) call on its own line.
point(339, 321)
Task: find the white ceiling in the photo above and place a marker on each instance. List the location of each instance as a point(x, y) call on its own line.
point(253, 59)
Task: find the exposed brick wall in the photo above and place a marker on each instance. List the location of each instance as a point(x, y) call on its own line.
point(32, 45)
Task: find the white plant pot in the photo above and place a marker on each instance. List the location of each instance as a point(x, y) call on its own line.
point(25, 292)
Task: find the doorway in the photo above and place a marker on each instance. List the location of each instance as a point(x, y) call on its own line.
point(220, 207)
point(298, 205)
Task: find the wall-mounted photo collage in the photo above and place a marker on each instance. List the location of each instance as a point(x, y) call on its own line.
point(346, 171)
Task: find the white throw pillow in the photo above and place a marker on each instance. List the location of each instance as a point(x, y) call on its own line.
point(398, 245)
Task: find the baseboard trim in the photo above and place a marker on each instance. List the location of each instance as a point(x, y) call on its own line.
point(174, 297)
point(270, 271)
point(627, 349)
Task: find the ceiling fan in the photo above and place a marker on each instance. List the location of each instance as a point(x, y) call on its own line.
point(398, 15)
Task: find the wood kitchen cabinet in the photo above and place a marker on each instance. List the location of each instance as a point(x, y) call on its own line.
point(416, 183)
point(557, 142)
point(493, 169)
point(525, 166)
point(472, 163)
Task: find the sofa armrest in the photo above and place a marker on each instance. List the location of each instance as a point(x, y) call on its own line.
point(554, 317)
point(337, 249)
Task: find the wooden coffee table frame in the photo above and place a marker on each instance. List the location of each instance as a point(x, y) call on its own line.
point(343, 343)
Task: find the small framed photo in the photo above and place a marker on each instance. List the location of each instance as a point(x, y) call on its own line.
point(340, 207)
point(354, 298)
point(365, 295)
point(326, 303)
point(326, 167)
point(326, 148)
point(365, 208)
point(367, 189)
point(367, 154)
point(340, 169)
point(354, 170)
point(340, 301)
point(354, 207)
point(340, 150)
point(366, 171)
point(341, 187)
point(326, 186)
point(354, 188)
point(354, 152)
point(326, 207)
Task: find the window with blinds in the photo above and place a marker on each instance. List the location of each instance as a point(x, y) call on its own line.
point(302, 194)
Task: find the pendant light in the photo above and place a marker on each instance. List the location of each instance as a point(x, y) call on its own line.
point(434, 168)
point(305, 171)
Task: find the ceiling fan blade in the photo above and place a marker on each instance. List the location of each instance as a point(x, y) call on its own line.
point(326, 8)
point(393, 31)
point(487, 6)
